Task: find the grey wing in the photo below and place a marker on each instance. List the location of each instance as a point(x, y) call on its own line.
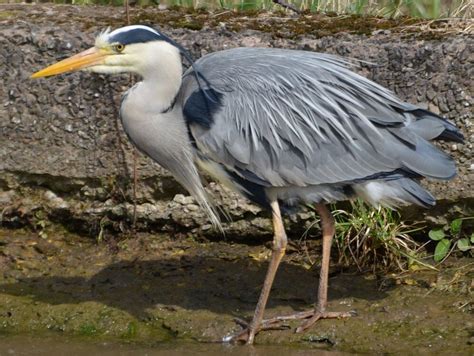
point(293, 118)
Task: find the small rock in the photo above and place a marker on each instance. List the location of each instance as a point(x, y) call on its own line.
point(188, 200)
point(179, 198)
point(192, 207)
point(7, 197)
point(433, 108)
point(430, 94)
point(443, 107)
point(55, 201)
point(82, 134)
point(183, 200)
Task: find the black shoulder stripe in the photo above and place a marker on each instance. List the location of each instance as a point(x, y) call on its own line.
point(200, 107)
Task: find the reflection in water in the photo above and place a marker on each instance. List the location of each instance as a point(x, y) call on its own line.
point(27, 345)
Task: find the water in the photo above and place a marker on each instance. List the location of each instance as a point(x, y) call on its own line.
point(62, 345)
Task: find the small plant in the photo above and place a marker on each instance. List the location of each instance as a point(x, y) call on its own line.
point(88, 329)
point(41, 223)
point(376, 238)
point(448, 238)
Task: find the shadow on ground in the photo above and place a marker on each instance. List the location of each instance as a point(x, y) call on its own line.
point(190, 283)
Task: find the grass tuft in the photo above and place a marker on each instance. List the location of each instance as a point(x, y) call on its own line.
point(376, 238)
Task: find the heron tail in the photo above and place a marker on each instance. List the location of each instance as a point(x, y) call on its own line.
point(394, 193)
point(433, 127)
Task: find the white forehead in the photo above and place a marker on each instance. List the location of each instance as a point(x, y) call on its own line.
point(130, 28)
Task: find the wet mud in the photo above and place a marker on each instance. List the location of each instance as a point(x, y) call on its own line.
point(151, 290)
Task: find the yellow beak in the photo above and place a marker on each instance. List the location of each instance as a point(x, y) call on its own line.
point(88, 58)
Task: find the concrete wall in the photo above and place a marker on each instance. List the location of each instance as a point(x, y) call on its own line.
point(63, 152)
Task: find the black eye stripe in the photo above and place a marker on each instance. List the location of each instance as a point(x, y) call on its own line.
point(137, 35)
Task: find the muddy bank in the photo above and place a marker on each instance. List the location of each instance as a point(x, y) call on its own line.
point(149, 290)
point(63, 155)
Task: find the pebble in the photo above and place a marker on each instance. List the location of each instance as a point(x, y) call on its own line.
point(55, 201)
point(179, 198)
point(192, 207)
point(7, 197)
point(183, 200)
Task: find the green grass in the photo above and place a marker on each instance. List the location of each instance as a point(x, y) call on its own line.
point(379, 239)
point(429, 9)
point(376, 238)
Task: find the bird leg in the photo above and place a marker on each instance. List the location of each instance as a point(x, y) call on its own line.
point(319, 311)
point(278, 251)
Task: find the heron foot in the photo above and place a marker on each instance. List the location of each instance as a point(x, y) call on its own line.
point(317, 315)
point(312, 317)
point(248, 332)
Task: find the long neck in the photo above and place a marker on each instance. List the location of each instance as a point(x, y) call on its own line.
point(161, 76)
point(163, 134)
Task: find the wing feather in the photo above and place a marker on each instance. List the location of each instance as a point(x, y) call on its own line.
point(297, 118)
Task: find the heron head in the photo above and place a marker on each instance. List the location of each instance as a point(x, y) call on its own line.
point(128, 49)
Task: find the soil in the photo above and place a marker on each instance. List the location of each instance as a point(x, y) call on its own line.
point(153, 290)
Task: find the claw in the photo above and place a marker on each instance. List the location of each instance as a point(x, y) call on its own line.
point(247, 336)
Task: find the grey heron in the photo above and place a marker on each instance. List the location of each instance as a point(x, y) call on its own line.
point(279, 126)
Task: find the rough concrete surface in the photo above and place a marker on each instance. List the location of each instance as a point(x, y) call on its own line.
point(63, 150)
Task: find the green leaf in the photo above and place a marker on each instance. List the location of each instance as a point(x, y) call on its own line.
point(464, 245)
point(455, 226)
point(472, 238)
point(436, 235)
point(442, 249)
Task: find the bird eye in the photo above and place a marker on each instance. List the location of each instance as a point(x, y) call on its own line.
point(119, 47)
